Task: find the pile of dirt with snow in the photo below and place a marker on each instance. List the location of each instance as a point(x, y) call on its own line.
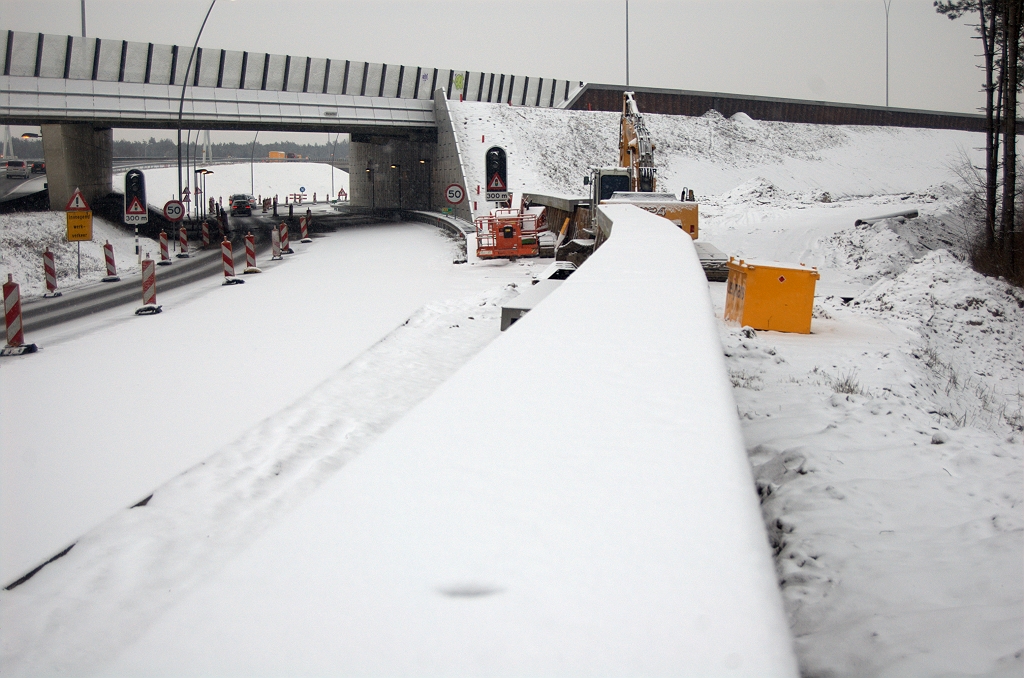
point(24, 236)
point(885, 249)
point(972, 331)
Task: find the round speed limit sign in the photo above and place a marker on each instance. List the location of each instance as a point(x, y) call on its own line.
point(174, 210)
point(454, 194)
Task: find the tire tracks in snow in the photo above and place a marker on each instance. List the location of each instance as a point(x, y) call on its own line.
point(128, 570)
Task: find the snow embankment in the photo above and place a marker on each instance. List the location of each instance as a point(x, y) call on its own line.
point(887, 451)
point(612, 530)
point(550, 151)
point(24, 237)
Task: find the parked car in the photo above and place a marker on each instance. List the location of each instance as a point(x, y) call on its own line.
point(17, 169)
point(39, 168)
point(241, 206)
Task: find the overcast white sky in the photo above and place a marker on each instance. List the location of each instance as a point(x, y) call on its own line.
point(831, 50)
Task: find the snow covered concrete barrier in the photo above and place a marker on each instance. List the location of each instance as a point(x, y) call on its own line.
point(540, 514)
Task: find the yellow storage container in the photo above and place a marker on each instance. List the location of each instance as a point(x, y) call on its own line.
point(770, 295)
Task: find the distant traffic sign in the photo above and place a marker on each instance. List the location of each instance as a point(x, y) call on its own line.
point(77, 202)
point(174, 210)
point(454, 194)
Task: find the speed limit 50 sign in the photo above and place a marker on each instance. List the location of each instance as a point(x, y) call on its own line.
point(454, 194)
point(174, 210)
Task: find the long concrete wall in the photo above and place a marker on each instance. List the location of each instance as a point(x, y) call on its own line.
point(617, 533)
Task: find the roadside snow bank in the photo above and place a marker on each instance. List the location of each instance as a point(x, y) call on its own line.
point(25, 235)
point(972, 338)
point(887, 450)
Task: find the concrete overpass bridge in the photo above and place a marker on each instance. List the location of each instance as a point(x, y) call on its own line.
point(79, 89)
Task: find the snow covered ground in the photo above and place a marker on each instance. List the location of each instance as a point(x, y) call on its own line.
point(265, 179)
point(887, 445)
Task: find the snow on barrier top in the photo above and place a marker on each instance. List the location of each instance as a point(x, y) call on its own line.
point(587, 515)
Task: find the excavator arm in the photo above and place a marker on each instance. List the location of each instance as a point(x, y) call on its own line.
point(635, 148)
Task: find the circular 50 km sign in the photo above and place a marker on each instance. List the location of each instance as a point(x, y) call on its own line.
point(174, 210)
point(454, 194)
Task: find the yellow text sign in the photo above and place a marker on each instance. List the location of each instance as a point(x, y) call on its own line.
point(79, 226)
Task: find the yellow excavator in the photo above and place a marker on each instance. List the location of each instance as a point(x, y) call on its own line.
point(635, 182)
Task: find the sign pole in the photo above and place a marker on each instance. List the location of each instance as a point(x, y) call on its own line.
point(79, 259)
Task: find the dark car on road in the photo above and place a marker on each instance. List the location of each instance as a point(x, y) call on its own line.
point(39, 168)
point(241, 206)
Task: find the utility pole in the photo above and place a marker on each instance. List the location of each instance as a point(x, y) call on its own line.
point(627, 42)
point(83, 18)
point(887, 3)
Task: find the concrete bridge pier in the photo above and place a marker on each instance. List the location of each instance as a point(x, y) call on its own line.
point(77, 155)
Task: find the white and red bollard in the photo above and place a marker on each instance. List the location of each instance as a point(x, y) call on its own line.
point(12, 319)
point(285, 246)
point(304, 223)
point(250, 254)
point(182, 243)
point(228, 259)
point(165, 250)
point(275, 245)
point(149, 306)
point(108, 258)
point(50, 271)
point(206, 235)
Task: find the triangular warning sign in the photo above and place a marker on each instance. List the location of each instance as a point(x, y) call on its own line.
point(135, 208)
point(77, 202)
point(495, 184)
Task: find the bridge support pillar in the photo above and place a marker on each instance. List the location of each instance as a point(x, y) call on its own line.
point(77, 155)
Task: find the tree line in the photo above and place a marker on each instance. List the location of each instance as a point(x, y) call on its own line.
point(996, 196)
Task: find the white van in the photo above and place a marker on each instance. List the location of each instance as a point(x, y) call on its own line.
point(17, 169)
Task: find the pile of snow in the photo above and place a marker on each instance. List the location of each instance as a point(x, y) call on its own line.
point(25, 235)
point(550, 151)
point(971, 331)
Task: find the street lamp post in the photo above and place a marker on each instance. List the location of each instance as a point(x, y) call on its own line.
point(627, 43)
point(399, 168)
point(887, 3)
point(184, 84)
point(252, 157)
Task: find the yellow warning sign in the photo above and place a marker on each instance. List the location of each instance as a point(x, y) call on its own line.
point(79, 226)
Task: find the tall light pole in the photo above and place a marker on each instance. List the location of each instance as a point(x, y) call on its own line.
point(627, 43)
point(887, 3)
point(252, 157)
point(83, 18)
point(181, 103)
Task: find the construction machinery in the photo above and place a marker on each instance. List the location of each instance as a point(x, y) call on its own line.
point(510, 232)
point(635, 182)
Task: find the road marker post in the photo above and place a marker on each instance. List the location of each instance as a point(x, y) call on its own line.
point(12, 319)
point(250, 254)
point(50, 271)
point(108, 258)
point(228, 259)
point(165, 251)
point(182, 243)
point(149, 306)
point(275, 245)
point(285, 246)
point(206, 235)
